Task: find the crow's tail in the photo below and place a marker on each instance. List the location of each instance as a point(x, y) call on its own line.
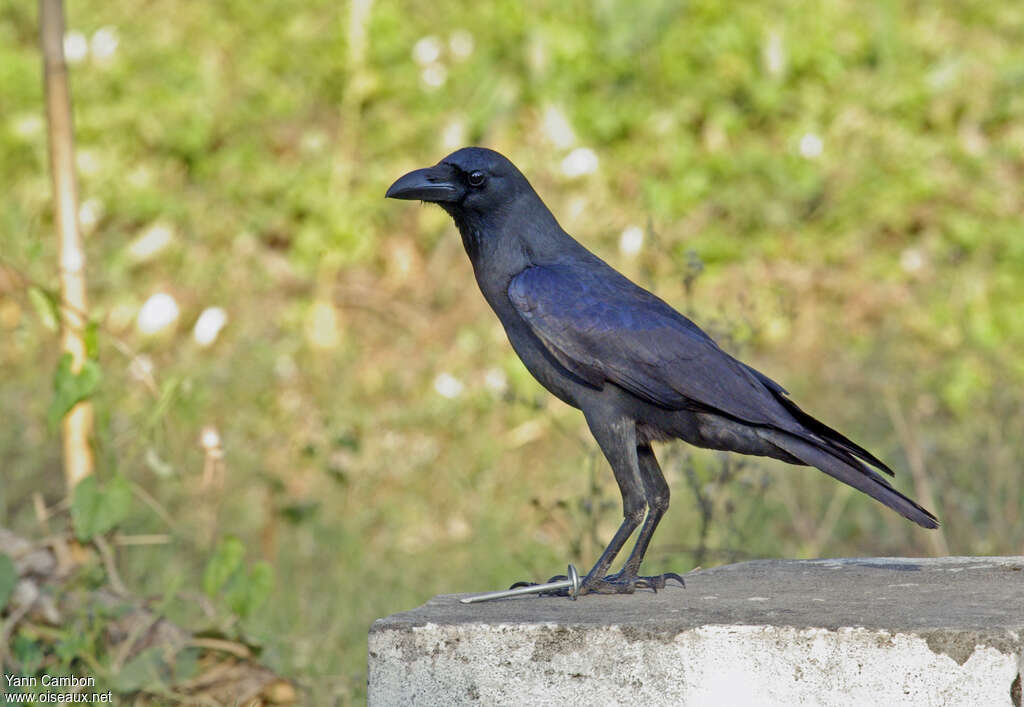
point(850, 471)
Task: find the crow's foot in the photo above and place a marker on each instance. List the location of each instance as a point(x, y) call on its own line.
point(611, 584)
point(624, 584)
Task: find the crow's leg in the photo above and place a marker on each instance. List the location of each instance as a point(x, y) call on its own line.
point(617, 438)
point(642, 485)
point(657, 494)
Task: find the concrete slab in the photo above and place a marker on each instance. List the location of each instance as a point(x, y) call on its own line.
point(894, 631)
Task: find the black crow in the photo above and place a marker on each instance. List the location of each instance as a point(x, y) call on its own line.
point(639, 370)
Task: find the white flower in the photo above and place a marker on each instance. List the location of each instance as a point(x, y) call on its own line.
point(912, 260)
point(87, 161)
point(153, 240)
point(285, 367)
point(972, 139)
point(434, 76)
point(448, 385)
point(576, 207)
point(141, 368)
point(27, 126)
point(209, 324)
point(461, 44)
point(943, 75)
point(537, 54)
point(557, 128)
point(453, 135)
point(458, 528)
point(104, 43)
point(427, 50)
point(313, 141)
point(496, 380)
point(811, 146)
point(159, 312)
point(774, 54)
point(322, 327)
point(631, 240)
point(90, 213)
point(209, 437)
point(140, 177)
point(579, 162)
point(76, 47)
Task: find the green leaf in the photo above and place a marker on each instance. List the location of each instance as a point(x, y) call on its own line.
point(97, 509)
point(146, 670)
point(226, 560)
point(247, 594)
point(186, 666)
point(169, 593)
point(300, 511)
point(168, 391)
point(72, 646)
point(28, 654)
point(69, 388)
point(46, 307)
point(92, 339)
point(8, 578)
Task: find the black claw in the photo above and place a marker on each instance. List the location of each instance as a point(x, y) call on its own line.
point(620, 584)
point(672, 575)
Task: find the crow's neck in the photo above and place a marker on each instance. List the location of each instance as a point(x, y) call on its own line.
point(509, 238)
point(474, 229)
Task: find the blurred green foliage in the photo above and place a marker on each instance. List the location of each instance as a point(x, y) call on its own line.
point(8, 578)
point(97, 509)
point(832, 188)
point(225, 576)
point(69, 388)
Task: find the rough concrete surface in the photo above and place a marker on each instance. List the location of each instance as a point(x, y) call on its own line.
point(893, 631)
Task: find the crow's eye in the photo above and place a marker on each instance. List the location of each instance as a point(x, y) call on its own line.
point(476, 178)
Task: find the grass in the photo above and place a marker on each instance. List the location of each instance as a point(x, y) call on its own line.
point(848, 177)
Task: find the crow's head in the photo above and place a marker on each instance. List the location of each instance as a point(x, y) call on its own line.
point(471, 181)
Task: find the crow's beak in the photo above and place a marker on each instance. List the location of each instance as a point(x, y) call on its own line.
point(429, 184)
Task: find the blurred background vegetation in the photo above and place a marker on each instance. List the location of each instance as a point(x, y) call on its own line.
point(833, 189)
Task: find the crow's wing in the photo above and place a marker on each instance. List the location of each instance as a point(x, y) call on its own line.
point(604, 328)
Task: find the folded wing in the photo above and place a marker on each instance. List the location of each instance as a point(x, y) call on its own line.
point(604, 328)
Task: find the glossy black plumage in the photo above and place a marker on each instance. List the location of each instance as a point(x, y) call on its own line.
point(638, 369)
